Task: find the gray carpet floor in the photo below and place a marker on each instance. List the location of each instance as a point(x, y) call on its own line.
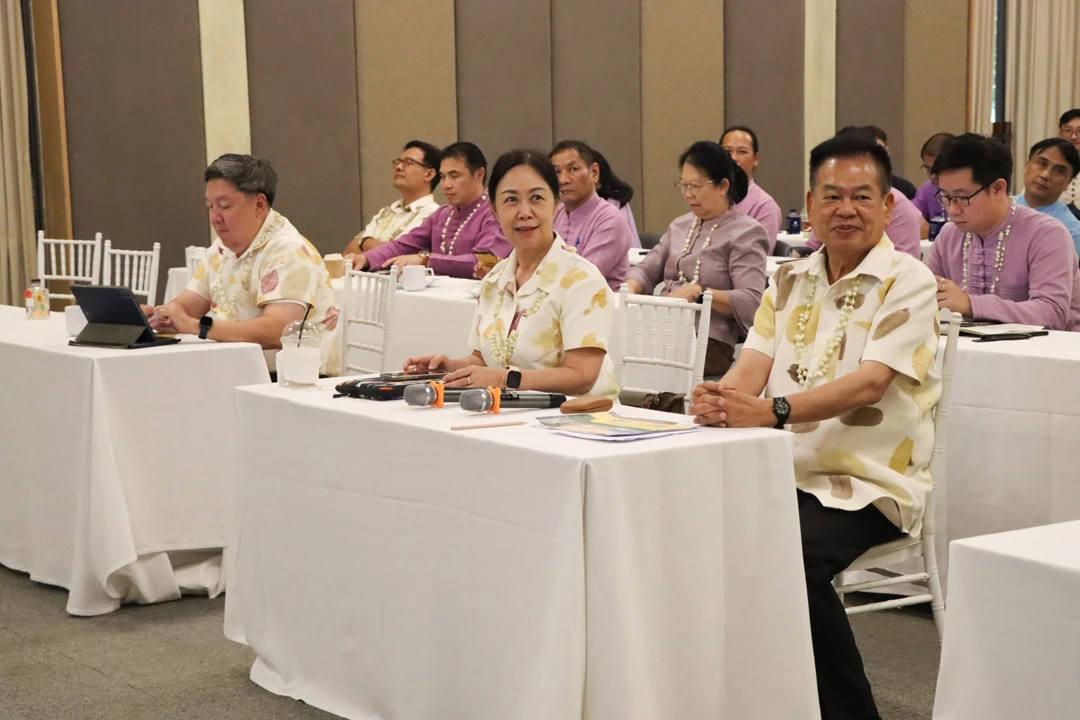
point(172, 661)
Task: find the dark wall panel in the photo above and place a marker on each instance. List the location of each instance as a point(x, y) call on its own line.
point(870, 68)
point(596, 80)
point(302, 89)
point(504, 74)
point(136, 146)
point(763, 88)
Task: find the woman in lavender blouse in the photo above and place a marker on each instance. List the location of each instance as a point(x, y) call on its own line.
point(711, 247)
point(618, 193)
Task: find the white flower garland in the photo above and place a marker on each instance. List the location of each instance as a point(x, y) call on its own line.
point(999, 251)
point(453, 241)
point(806, 378)
point(225, 307)
point(502, 349)
point(688, 245)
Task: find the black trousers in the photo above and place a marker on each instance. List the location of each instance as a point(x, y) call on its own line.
point(831, 540)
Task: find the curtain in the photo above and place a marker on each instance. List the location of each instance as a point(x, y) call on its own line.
point(981, 30)
point(1043, 71)
point(17, 250)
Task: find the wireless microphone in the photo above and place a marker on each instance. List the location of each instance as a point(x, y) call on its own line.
point(492, 400)
point(431, 394)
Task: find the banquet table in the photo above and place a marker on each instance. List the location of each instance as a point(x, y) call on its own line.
point(114, 463)
point(385, 566)
point(10, 313)
point(1012, 641)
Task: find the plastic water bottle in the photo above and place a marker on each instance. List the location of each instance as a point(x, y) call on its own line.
point(37, 301)
point(936, 223)
point(794, 222)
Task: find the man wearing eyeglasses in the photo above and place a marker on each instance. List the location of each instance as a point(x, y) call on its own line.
point(456, 236)
point(995, 259)
point(1069, 129)
point(416, 175)
point(1052, 164)
point(742, 144)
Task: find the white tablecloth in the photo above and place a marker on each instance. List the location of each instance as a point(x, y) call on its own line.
point(176, 282)
point(389, 568)
point(9, 313)
point(110, 459)
point(1012, 639)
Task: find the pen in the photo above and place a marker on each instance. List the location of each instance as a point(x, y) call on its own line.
point(486, 425)
point(1005, 336)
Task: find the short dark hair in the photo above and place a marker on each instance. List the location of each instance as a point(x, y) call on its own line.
point(250, 175)
point(1068, 116)
point(535, 159)
point(610, 186)
point(987, 158)
point(467, 152)
point(432, 158)
point(715, 162)
point(934, 143)
point(740, 128)
point(1071, 156)
point(872, 130)
point(852, 145)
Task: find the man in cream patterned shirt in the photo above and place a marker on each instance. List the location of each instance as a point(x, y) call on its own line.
point(843, 345)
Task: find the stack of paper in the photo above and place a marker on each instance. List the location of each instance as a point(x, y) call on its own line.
point(612, 427)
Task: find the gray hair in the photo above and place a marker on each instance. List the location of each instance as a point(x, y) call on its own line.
point(248, 174)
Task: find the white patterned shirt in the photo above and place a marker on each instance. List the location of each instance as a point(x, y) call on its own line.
point(565, 305)
point(398, 218)
point(876, 454)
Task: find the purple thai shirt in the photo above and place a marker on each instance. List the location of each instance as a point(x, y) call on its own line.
point(926, 203)
point(480, 234)
point(903, 230)
point(1039, 282)
point(759, 205)
point(627, 213)
point(598, 232)
point(734, 262)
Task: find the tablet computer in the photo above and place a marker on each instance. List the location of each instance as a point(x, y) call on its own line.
point(114, 319)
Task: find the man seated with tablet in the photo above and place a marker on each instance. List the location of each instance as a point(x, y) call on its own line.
point(258, 275)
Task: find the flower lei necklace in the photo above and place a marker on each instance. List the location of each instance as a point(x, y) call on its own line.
point(502, 349)
point(806, 378)
point(688, 246)
point(999, 251)
point(225, 307)
point(442, 245)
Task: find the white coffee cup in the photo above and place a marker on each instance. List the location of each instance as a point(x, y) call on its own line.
point(414, 277)
point(74, 320)
point(298, 366)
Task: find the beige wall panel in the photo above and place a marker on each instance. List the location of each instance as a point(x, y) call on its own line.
point(224, 77)
point(52, 120)
point(870, 69)
point(682, 95)
point(764, 84)
point(504, 74)
point(407, 86)
point(596, 81)
point(302, 95)
point(133, 92)
point(935, 75)
point(819, 52)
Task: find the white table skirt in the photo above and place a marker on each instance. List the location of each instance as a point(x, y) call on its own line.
point(176, 282)
point(1012, 640)
point(386, 567)
point(112, 462)
point(10, 313)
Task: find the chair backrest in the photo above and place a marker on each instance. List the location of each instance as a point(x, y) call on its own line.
point(136, 269)
point(941, 416)
point(369, 303)
point(193, 255)
point(659, 332)
point(71, 260)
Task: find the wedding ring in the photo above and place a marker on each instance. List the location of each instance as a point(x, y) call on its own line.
point(468, 380)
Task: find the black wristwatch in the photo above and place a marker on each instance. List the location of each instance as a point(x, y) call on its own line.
point(513, 378)
point(781, 409)
point(205, 323)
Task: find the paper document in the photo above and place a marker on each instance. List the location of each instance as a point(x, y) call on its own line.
point(612, 427)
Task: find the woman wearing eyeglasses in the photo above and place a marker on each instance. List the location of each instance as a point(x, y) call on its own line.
point(711, 247)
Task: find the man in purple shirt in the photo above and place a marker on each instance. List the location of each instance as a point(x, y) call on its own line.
point(996, 260)
point(925, 199)
point(595, 228)
point(450, 239)
point(742, 144)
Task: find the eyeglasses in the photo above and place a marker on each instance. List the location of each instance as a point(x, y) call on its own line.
point(1069, 132)
point(960, 200)
point(407, 161)
point(691, 187)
